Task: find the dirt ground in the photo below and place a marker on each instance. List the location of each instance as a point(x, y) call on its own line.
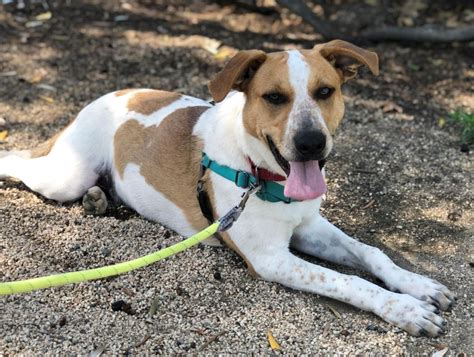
point(397, 180)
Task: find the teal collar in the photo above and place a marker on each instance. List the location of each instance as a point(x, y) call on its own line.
point(270, 190)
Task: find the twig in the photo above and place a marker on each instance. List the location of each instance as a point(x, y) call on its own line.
point(326, 329)
point(368, 205)
point(211, 340)
point(362, 171)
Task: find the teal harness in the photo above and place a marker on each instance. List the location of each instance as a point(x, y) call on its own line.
point(270, 191)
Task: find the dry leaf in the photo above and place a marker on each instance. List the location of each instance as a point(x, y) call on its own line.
point(3, 135)
point(273, 343)
point(45, 16)
point(224, 53)
point(441, 122)
point(391, 107)
point(46, 98)
point(335, 312)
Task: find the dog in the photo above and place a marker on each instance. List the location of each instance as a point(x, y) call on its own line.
point(273, 120)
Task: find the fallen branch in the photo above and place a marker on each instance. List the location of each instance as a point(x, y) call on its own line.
point(301, 9)
point(387, 33)
point(419, 34)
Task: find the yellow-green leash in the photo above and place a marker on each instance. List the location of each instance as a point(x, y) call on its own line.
point(224, 223)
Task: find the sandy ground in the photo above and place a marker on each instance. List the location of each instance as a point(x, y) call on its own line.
point(397, 180)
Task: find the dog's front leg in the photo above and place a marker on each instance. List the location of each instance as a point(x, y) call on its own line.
point(415, 316)
point(319, 238)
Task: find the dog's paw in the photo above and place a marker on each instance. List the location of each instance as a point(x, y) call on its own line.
point(94, 201)
point(425, 289)
point(416, 317)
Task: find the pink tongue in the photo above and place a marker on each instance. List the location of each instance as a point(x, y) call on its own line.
point(305, 181)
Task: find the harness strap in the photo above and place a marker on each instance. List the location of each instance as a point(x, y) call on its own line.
point(203, 198)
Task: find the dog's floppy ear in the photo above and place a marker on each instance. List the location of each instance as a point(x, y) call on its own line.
point(346, 58)
point(236, 74)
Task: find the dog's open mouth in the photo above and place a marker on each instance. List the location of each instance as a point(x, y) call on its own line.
point(284, 164)
point(305, 180)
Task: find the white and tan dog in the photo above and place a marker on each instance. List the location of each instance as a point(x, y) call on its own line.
point(279, 110)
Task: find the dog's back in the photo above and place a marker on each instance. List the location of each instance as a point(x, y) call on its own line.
point(132, 135)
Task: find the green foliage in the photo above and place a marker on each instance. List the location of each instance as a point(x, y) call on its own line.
point(466, 121)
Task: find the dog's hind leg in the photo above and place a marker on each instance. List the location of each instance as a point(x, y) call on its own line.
point(67, 165)
point(57, 176)
point(321, 239)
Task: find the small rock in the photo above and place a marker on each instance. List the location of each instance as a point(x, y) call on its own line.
point(217, 275)
point(180, 291)
point(3, 122)
point(377, 328)
point(62, 321)
point(121, 305)
point(464, 148)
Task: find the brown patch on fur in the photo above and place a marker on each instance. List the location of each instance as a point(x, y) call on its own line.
point(150, 101)
point(46, 147)
point(236, 74)
point(322, 277)
point(122, 92)
point(168, 156)
point(260, 117)
point(347, 57)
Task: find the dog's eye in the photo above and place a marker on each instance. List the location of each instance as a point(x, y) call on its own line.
point(275, 98)
point(323, 92)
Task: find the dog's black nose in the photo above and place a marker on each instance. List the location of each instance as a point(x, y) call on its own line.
point(310, 144)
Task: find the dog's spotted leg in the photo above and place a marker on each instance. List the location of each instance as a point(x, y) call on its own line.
point(415, 316)
point(320, 238)
point(265, 247)
point(94, 201)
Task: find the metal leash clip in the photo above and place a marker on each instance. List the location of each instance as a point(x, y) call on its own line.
point(233, 215)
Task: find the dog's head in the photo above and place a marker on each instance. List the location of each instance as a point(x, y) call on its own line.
point(294, 103)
